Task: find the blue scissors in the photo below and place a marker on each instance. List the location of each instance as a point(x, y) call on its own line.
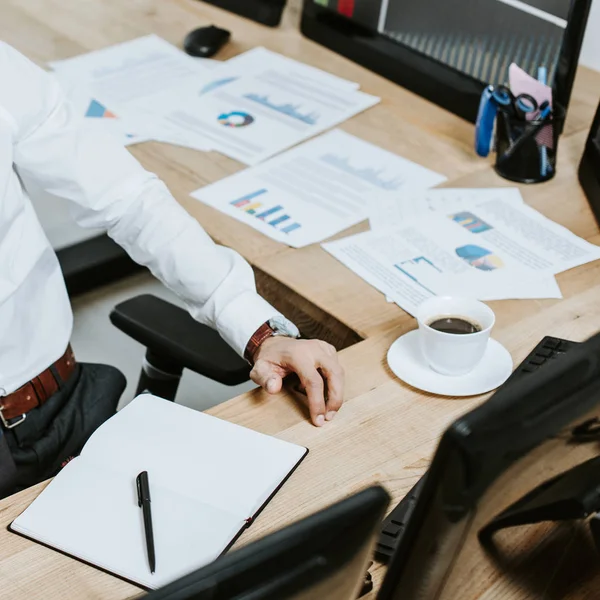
point(492, 100)
point(519, 106)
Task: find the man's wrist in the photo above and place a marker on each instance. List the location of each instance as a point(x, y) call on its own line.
point(264, 332)
point(278, 326)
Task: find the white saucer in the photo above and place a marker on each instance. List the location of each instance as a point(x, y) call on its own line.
point(406, 361)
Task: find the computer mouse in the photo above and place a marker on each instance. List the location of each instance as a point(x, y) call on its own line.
point(205, 42)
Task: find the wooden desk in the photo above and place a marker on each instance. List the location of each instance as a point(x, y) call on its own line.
point(308, 285)
point(386, 431)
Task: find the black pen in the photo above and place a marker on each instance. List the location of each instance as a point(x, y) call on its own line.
point(143, 490)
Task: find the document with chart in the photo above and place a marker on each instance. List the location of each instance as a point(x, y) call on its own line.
point(439, 254)
point(315, 190)
point(103, 84)
point(98, 117)
point(259, 60)
point(394, 210)
point(131, 70)
point(255, 117)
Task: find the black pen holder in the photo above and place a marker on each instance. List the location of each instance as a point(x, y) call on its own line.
point(526, 150)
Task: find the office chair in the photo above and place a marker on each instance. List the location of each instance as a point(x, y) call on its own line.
point(175, 341)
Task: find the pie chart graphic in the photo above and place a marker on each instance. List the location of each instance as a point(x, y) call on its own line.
point(235, 119)
point(479, 257)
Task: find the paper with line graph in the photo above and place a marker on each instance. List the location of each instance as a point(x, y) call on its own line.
point(459, 253)
point(315, 190)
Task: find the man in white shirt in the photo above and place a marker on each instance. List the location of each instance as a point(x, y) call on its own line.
point(49, 404)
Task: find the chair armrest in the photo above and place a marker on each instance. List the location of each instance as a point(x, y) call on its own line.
point(170, 332)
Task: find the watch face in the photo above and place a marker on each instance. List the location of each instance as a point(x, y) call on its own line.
point(282, 326)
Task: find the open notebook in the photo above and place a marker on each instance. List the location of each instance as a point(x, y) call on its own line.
point(208, 479)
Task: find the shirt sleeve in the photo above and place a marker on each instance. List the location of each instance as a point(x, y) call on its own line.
point(111, 190)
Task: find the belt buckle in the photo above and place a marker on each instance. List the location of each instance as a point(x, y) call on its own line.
point(10, 423)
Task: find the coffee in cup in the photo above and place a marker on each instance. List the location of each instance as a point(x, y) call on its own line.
point(454, 333)
point(455, 325)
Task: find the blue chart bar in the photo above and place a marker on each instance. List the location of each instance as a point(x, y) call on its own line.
point(291, 228)
point(244, 199)
point(279, 220)
point(266, 213)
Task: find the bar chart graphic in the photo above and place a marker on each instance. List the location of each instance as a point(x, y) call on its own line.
point(275, 216)
point(290, 110)
point(471, 222)
point(368, 174)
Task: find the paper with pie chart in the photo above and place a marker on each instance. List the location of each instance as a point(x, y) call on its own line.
point(249, 108)
point(315, 190)
point(102, 84)
point(459, 253)
point(487, 244)
point(254, 117)
point(97, 116)
point(495, 216)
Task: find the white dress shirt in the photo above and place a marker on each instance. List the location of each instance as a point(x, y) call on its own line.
point(41, 139)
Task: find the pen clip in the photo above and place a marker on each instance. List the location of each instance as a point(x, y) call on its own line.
point(138, 483)
point(143, 488)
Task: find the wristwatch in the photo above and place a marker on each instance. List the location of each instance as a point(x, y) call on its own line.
point(277, 326)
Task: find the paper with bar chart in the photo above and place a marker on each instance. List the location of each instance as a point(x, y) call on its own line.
point(393, 210)
point(315, 190)
point(259, 60)
point(257, 116)
point(435, 254)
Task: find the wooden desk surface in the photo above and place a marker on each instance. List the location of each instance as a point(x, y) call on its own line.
point(308, 285)
point(386, 431)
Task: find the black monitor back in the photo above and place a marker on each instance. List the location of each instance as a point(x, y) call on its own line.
point(589, 168)
point(266, 12)
point(485, 462)
point(323, 556)
point(447, 51)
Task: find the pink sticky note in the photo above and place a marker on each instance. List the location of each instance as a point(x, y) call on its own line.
point(522, 82)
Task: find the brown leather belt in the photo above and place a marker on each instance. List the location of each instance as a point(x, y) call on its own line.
point(15, 406)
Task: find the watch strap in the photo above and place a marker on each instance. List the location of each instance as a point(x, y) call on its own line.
point(265, 331)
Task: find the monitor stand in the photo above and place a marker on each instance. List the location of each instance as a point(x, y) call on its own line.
point(573, 495)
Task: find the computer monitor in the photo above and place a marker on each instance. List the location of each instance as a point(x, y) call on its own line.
point(533, 429)
point(323, 556)
point(447, 51)
point(589, 168)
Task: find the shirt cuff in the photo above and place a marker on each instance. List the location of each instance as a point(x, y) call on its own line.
point(240, 319)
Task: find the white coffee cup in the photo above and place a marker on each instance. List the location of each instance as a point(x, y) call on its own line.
point(450, 353)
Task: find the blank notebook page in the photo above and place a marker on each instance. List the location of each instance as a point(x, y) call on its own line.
point(194, 454)
point(207, 477)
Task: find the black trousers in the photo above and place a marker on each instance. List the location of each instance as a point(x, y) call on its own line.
point(57, 431)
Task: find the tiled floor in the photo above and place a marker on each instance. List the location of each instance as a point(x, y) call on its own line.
point(95, 339)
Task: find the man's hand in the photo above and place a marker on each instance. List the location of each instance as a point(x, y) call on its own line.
point(317, 366)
